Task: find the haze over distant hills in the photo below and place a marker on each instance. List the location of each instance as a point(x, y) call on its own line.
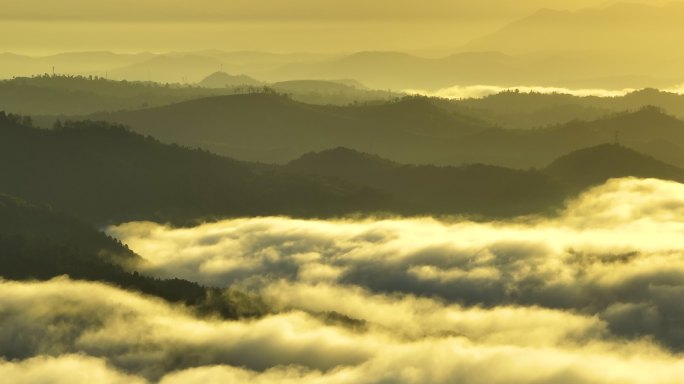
point(171, 67)
point(620, 28)
point(597, 46)
point(273, 128)
point(522, 110)
point(224, 80)
point(413, 130)
point(647, 130)
point(45, 97)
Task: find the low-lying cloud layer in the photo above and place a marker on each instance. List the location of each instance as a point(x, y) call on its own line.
point(594, 295)
point(480, 91)
point(616, 253)
point(87, 331)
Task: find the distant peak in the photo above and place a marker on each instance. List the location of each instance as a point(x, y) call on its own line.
point(220, 79)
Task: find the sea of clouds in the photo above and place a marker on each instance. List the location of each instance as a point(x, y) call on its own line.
point(480, 91)
point(592, 295)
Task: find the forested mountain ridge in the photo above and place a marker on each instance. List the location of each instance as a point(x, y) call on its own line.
point(273, 128)
point(594, 165)
point(483, 189)
point(39, 243)
point(103, 173)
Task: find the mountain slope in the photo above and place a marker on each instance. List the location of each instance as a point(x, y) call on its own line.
point(273, 128)
point(482, 189)
point(73, 95)
point(595, 165)
point(37, 242)
point(643, 130)
point(473, 189)
point(103, 173)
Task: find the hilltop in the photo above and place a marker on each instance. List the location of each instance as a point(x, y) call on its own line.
point(224, 80)
point(593, 166)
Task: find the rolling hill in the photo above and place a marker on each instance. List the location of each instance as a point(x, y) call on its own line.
point(272, 128)
point(647, 130)
point(102, 173)
point(79, 95)
point(105, 174)
point(475, 189)
point(482, 189)
point(224, 80)
point(592, 166)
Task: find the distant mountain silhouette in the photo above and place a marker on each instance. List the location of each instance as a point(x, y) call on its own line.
point(318, 86)
point(624, 38)
point(522, 110)
point(567, 30)
point(642, 130)
point(79, 95)
point(399, 71)
point(48, 96)
point(331, 92)
point(595, 165)
point(225, 80)
point(83, 63)
point(273, 128)
point(187, 68)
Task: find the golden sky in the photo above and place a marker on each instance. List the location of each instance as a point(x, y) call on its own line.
point(47, 26)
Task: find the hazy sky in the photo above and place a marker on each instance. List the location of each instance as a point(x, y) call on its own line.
point(166, 10)
point(47, 26)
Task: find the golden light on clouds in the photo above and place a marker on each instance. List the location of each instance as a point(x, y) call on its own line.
point(581, 298)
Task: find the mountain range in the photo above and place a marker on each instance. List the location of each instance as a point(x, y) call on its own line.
point(272, 128)
point(101, 174)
